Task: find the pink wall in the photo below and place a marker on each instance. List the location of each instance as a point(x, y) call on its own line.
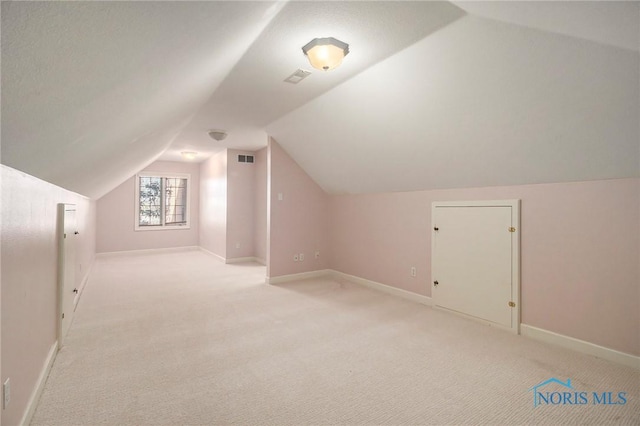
point(240, 205)
point(260, 206)
point(29, 277)
point(213, 205)
point(116, 216)
point(380, 237)
point(297, 223)
point(579, 251)
point(233, 205)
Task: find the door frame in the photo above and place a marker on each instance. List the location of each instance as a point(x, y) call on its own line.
point(515, 254)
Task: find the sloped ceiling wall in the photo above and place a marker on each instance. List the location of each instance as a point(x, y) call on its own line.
point(254, 94)
point(489, 94)
point(478, 103)
point(94, 91)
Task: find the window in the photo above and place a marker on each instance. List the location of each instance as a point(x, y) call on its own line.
point(162, 201)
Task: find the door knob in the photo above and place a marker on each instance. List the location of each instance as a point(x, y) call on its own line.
point(75, 290)
point(435, 283)
point(77, 233)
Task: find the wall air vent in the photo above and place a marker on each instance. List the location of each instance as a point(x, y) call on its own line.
point(245, 158)
point(297, 76)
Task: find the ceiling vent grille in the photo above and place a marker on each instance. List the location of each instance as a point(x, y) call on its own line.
point(297, 76)
point(245, 158)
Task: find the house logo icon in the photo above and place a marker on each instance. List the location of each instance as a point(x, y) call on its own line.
point(563, 393)
point(537, 394)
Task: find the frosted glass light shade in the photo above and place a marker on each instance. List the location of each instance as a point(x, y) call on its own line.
point(325, 53)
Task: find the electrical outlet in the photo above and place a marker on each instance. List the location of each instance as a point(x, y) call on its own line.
point(317, 254)
point(295, 257)
point(301, 257)
point(413, 271)
point(6, 393)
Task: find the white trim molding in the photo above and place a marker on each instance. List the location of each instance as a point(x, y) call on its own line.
point(148, 251)
point(210, 253)
point(243, 260)
point(582, 346)
point(297, 277)
point(337, 275)
point(42, 380)
point(394, 291)
point(232, 260)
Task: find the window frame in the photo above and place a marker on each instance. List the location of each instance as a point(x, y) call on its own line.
point(163, 176)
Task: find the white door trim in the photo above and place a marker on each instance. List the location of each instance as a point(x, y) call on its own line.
point(65, 282)
point(515, 247)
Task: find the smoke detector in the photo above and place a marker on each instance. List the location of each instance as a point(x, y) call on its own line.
point(218, 134)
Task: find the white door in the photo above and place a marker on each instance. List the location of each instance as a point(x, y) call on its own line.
point(474, 262)
point(66, 268)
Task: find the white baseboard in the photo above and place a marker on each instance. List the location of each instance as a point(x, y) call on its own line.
point(296, 277)
point(243, 260)
point(580, 346)
point(414, 297)
point(147, 251)
point(37, 391)
point(216, 256)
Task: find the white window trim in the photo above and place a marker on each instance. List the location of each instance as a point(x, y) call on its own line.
point(136, 218)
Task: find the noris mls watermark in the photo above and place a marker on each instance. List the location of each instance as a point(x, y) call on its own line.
point(568, 395)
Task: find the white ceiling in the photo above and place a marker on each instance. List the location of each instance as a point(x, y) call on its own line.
point(432, 95)
point(94, 91)
point(255, 94)
point(479, 103)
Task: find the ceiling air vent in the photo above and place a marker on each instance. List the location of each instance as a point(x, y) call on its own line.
point(245, 158)
point(297, 76)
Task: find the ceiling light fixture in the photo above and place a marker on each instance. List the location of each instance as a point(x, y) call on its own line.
point(325, 53)
point(218, 134)
point(189, 155)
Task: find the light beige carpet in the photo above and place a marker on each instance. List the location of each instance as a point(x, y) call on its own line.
point(181, 339)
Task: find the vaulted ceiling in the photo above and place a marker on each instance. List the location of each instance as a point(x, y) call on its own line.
point(432, 94)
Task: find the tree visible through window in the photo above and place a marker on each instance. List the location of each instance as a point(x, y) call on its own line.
point(162, 201)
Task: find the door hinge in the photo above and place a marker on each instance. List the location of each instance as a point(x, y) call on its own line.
point(65, 236)
point(63, 315)
point(512, 304)
point(512, 229)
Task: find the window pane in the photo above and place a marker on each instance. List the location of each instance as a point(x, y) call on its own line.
point(150, 203)
point(175, 201)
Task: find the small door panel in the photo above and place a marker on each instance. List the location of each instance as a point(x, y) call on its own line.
point(472, 261)
point(66, 268)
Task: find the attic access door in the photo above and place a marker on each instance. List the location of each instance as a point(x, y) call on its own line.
point(66, 267)
point(475, 260)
